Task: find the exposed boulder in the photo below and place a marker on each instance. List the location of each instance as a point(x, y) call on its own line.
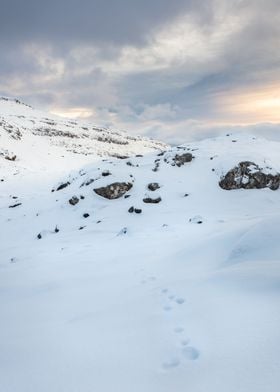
point(153, 186)
point(248, 175)
point(114, 190)
point(152, 201)
point(74, 200)
point(181, 159)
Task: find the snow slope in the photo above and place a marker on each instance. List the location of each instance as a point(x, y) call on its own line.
point(184, 296)
point(29, 134)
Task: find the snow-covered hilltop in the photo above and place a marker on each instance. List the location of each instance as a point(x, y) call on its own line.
point(158, 272)
point(26, 131)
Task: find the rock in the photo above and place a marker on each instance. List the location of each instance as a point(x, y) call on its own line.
point(56, 230)
point(248, 175)
point(152, 201)
point(74, 200)
point(131, 209)
point(123, 231)
point(11, 158)
point(39, 236)
point(137, 210)
point(181, 159)
point(86, 215)
point(153, 186)
point(114, 190)
point(106, 173)
point(196, 219)
point(15, 205)
point(62, 186)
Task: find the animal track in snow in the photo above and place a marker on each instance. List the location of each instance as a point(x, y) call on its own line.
point(180, 301)
point(190, 353)
point(178, 329)
point(171, 363)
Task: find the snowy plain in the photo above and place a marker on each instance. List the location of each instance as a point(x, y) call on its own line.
point(120, 301)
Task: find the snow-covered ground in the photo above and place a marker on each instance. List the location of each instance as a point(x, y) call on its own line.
point(183, 296)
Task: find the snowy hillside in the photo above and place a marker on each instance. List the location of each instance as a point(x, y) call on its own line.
point(29, 133)
point(158, 273)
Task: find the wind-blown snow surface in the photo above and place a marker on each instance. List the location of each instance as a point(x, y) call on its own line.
point(155, 301)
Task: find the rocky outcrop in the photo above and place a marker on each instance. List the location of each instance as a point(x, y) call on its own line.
point(114, 190)
point(248, 175)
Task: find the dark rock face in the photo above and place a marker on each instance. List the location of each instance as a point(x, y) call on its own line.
point(114, 190)
point(181, 159)
point(248, 175)
point(152, 201)
point(74, 200)
point(153, 186)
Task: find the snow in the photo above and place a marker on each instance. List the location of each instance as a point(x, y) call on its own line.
point(184, 296)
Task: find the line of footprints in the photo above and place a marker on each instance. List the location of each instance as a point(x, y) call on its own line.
point(187, 351)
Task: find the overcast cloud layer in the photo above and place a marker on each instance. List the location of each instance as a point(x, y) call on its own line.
point(158, 67)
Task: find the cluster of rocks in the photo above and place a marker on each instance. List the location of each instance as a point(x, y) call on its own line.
point(136, 210)
point(248, 175)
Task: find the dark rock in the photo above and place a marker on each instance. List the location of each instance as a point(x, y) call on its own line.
point(156, 167)
point(39, 236)
point(114, 190)
point(87, 182)
point(152, 201)
point(62, 186)
point(74, 200)
point(137, 210)
point(153, 186)
point(181, 159)
point(126, 196)
point(131, 209)
point(15, 205)
point(56, 230)
point(11, 158)
point(106, 173)
point(248, 175)
point(86, 215)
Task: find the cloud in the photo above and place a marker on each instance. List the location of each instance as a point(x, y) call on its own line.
point(159, 68)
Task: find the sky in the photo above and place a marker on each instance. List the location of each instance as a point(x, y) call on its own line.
point(159, 68)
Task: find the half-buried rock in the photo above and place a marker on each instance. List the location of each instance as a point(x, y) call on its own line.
point(113, 191)
point(152, 201)
point(248, 175)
